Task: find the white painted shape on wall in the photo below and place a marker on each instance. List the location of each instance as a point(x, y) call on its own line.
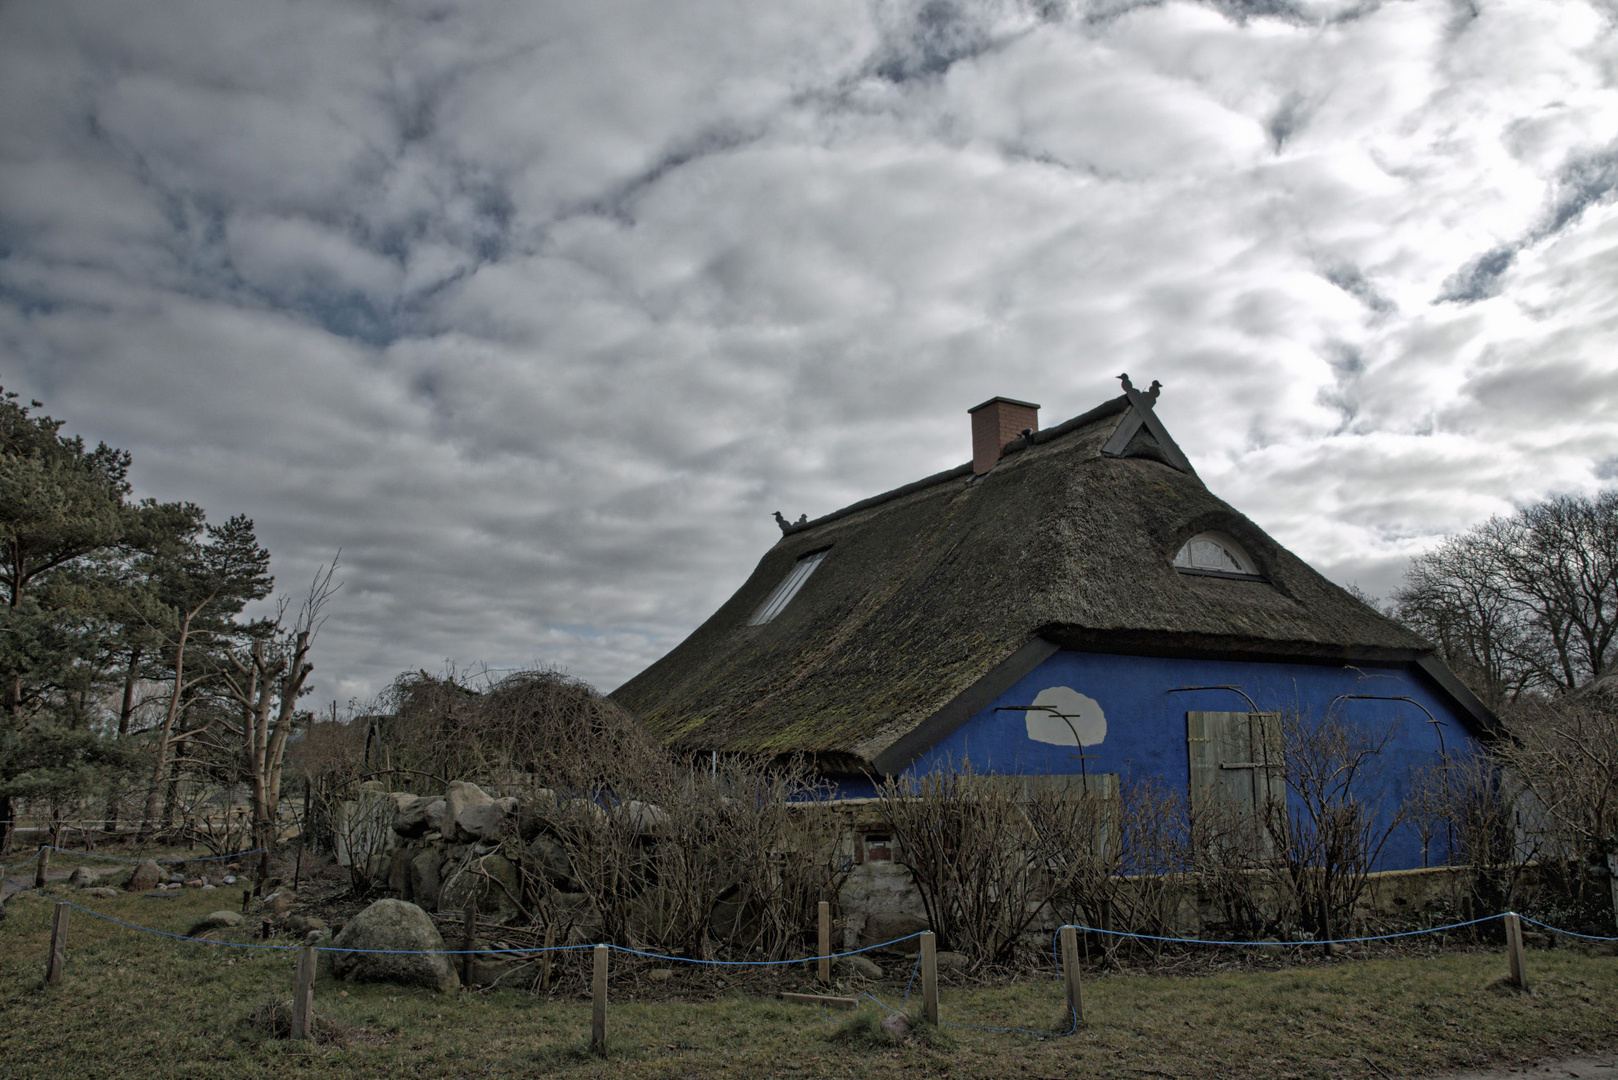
point(1084, 724)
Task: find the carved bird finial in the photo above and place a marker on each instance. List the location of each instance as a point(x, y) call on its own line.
point(781, 520)
point(1151, 394)
point(1125, 380)
point(803, 519)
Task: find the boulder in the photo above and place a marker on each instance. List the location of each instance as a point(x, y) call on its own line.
point(460, 796)
point(551, 858)
point(859, 965)
point(424, 880)
point(147, 876)
point(491, 881)
point(396, 942)
point(299, 925)
point(102, 893)
point(437, 814)
point(399, 873)
point(278, 902)
point(82, 877)
point(411, 820)
point(897, 1025)
point(481, 822)
point(952, 961)
point(218, 920)
point(538, 807)
point(646, 819)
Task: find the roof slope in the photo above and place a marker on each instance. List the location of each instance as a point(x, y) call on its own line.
point(927, 588)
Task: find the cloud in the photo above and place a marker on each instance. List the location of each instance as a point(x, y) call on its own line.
point(539, 311)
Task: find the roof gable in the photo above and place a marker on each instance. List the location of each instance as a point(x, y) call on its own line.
point(926, 589)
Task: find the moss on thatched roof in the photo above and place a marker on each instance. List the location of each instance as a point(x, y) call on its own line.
point(925, 590)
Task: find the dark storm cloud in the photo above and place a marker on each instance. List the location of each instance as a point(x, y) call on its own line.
point(538, 311)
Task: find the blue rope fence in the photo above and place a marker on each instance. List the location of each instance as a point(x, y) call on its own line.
point(909, 985)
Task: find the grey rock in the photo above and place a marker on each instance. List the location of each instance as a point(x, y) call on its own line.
point(459, 797)
point(660, 974)
point(424, 880)
point(491, 881)
point(646, 819)
point(414, 948)
point(82, 877)
point(534, 811)
point(411, 820)
point(951, 961)
point(278, 902)
point(102, 893)
point(860, 966)
point(218, 920)
point(897, 1025)
point(437, 814)
point(147, 876)
point(551, 858)
point(300, 925)
point(481, 822)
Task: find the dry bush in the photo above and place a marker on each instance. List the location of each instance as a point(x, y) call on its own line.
point(994, 856)
point(533, 725)
point(679, 857)
point(1134, 852)
point(1232, 864)
point(1330, 837)
point(1566, 756)
point(1466, 807)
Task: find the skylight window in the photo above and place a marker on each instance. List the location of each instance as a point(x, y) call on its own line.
point(784, 592)
point(1215, 554)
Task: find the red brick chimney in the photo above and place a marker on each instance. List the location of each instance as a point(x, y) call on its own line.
point(995, 423)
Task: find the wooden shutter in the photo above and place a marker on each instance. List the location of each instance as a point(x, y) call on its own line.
point(1237, 758)
point(1214, 741)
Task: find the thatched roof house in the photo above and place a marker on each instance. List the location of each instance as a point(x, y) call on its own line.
point(928, 600)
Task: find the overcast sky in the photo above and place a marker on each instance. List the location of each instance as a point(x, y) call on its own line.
point(538, 310)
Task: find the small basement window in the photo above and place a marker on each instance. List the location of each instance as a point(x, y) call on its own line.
point(784, 592)
point(1216, 555)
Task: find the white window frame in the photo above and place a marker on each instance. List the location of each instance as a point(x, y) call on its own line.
point(784, 592)
point(1247, 568)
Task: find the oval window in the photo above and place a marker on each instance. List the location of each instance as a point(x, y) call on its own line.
point(1217, 554)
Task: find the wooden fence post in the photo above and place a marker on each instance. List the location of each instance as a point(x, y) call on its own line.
point(39, 867)
point(545, 957)
point(58, 956)
point(303, 995)
point(824, 965)
point(1514, 954)
point(1070, 970)
point(929, 976)
point(468, 941)
point(598, 990)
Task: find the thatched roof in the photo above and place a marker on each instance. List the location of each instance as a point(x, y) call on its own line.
point(945, 591)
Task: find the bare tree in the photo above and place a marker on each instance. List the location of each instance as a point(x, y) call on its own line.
point(1525, 602)
point(264, 680)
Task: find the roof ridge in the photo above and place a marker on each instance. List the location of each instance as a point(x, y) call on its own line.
point(1043, 435)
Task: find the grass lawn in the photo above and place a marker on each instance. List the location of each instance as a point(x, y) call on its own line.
point(135, 1005)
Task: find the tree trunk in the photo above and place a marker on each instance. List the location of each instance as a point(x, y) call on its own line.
point(126, 712)
point(154, 792)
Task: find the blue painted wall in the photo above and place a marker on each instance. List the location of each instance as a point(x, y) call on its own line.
point(1146, 726)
